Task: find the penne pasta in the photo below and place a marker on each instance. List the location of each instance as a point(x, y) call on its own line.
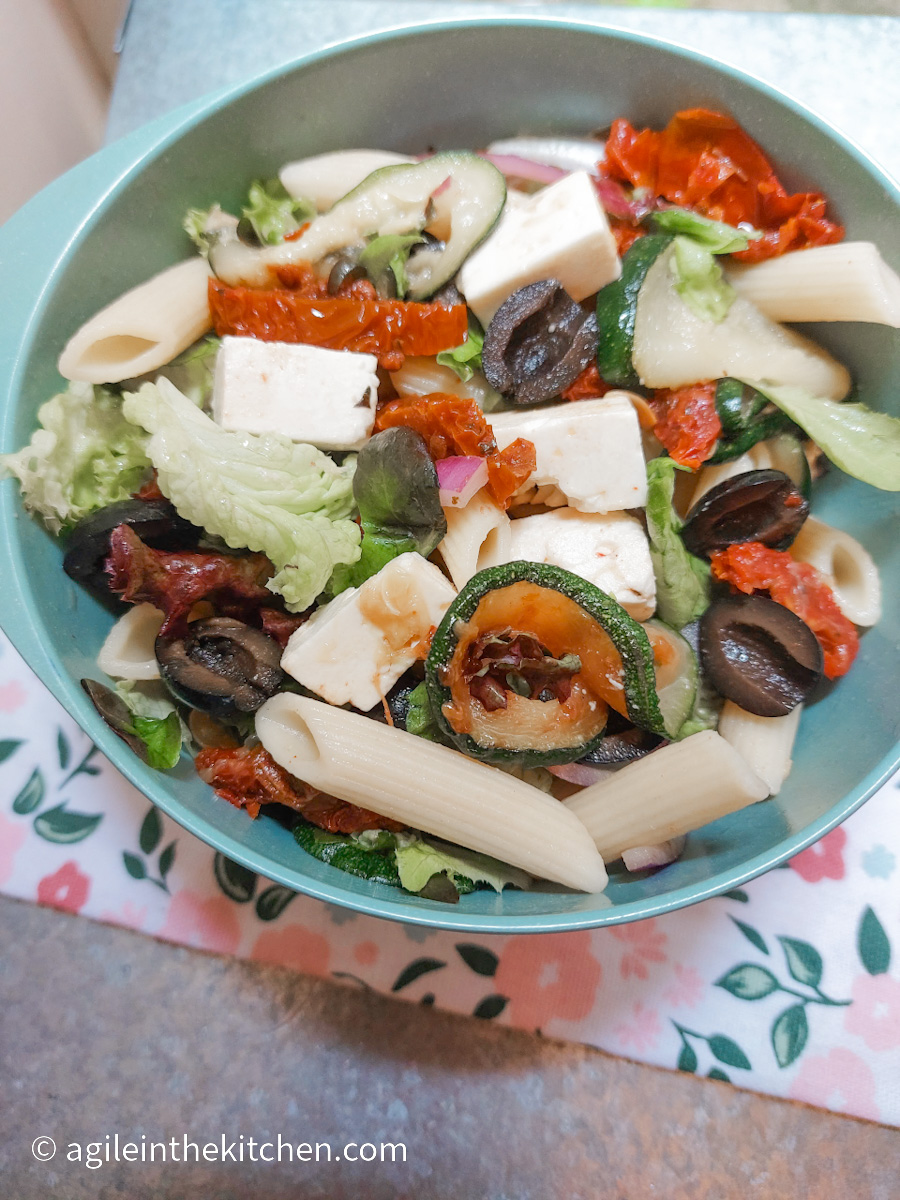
point(128, 652)
point(673, 790)
point(847, 567)
point(845, 282)
point(430, 788)
point(477, 536)
point(144, 329)
point(424, 376)
point(764, 743)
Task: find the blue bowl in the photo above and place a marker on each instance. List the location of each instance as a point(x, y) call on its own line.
point(114, 221)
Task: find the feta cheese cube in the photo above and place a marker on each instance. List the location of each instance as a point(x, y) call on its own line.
point(591, 450)
point(324, 397)
point(355, 648)
point(559, 233)
point(610, 551)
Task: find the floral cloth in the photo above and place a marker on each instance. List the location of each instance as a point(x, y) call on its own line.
point(790, 986)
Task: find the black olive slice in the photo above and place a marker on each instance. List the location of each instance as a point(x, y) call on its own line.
point(155, 521)
point(116, 713)
point(538, 342)
point(759, 654)
point(619, 748)
point(756, 506)
point(221, 667)
point(346, 270)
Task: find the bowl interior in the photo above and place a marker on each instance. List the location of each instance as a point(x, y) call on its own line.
point(442, 87)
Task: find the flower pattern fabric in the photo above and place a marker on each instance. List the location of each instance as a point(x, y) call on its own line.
point(789, 986)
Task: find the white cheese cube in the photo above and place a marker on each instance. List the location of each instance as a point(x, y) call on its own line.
point(590, 449)
point(355, 648)
point(326, 398)
point(610, 551)
point(559, 233)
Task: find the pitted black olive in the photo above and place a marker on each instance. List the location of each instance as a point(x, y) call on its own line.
point(221, 667)
point(619, 748)
point(154, 521)
point(346, 270)
point(759, 654)
point(756, 506)
point(538, 342)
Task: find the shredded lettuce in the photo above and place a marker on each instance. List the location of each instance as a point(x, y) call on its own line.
point(682, 580)
point(715, 236)
point(864, 443)
point(465, 360)
point(263, 493)
point(419, 860)
point(85, 456)
point(389, 253)
point(700, 281)
point(272, 213)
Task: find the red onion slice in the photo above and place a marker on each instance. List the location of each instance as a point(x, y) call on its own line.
point(644, 858)
point(580, 773)
point(460, 477)
point(525, 168)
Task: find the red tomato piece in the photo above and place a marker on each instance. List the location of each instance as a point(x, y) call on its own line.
point(687, 423)
point(589, 385)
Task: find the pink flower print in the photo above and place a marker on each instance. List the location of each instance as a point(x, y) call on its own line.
point(12, 835)
point(642, 1032)
point(365, 953)
point(129, 916)
point(554, 975)
point(874, 1014)
point(646, 944)
point(12, 696)
point(686, 989)
point(839, 1080)
point(66, 888)
point(824, 860)
point(206, 924)
point(294, 946)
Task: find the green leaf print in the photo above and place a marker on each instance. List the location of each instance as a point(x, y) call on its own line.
point(687, 1059)
point(748, 982)
point(728, 1052)
point(8, 749)
point(417, 968)
point(803, 960)
point(490, 1007)
point(754, 938)
point(237, 882)
point(31, 795)
point(167, 859)
point(715, 1073)
point(479, 959)
point(62, 749)
point(873, 944)
point(151, 832)
point(273, 901)
point(64, 827)
point(134, 866)
point(789, 1034)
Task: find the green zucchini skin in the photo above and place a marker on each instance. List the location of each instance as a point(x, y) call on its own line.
point(616, 309)
point(625, 633)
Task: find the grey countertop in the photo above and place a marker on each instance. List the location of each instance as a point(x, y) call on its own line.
point(104, 1032)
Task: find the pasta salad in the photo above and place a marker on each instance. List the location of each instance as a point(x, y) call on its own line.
point(455, 509)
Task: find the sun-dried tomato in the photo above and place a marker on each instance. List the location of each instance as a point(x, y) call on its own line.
point(249, 777)
point(174, 581)
point(589, 385)
point(752, 567)
point(687, 423)
point(385, 328)
point(454, 425)
point(625, 234)
point(703, 160)
point(280, 625)
point(149, 490)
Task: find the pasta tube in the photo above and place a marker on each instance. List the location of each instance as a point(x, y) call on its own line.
point(477, 536)
point(764, 743)
point(128, 652)
point(847, 566)
point(430, 788)
point(142, 330)
point(673, 790)
point(425, 376)
point(846, 282)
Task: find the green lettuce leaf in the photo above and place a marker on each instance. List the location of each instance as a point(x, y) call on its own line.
point(263, 493)
point(700, 281)
point(418, 861)
point(85, 456)
point(420, 718)
point(465, 360)
point(272, 213)
point(155, 721)
point(682, 580)
point(715, 236)
point(193, 371)
point(864, 443)
point(388, 253)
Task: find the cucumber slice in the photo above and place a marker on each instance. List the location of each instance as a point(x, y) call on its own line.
point(674, 347)
point(617, 307)
point(676, 678)
point(786, 453)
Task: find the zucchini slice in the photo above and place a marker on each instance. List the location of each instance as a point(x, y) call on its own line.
point(676, 675)
point(456, 195)
point(600, 655)
point(617, 308)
